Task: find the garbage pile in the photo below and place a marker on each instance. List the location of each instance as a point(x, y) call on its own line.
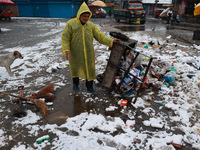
point(163, 77)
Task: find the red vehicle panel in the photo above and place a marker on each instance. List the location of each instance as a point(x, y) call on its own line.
point(5, 14)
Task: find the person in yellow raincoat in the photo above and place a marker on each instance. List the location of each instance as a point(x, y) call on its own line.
point(77, 45)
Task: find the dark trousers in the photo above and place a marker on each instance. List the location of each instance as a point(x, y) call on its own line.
point(168, 19)
point(88, 84)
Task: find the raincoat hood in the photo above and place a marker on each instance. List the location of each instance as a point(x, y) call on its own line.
point(83, 8)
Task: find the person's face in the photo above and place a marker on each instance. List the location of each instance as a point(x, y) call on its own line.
point(84, 17)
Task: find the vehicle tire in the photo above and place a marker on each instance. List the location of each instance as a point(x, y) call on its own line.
point(142, 22)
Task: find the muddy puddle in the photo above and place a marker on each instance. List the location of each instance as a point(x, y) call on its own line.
point(67, 104)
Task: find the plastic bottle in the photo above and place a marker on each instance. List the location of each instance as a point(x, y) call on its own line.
point(42, 139)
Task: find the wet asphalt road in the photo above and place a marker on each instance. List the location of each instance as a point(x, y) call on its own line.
point(28, 29)
point(25, 33)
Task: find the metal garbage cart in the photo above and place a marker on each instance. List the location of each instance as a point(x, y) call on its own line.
point(121, 51)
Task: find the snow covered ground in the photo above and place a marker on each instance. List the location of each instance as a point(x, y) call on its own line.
point(90, 131)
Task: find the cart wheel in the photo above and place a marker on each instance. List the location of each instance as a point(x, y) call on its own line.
point(100, 78)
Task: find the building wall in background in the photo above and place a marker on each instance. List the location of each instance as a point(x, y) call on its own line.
point(50, 9)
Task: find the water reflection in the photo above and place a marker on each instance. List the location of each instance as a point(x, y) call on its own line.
point(79, 105)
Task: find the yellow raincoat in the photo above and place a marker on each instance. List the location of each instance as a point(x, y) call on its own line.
point(78, 39)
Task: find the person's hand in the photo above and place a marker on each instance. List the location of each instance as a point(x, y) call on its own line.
point(67, 55)
point(116, 40)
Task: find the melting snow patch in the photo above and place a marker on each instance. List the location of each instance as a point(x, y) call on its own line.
point(2, 138)
point(111, 108)
point(31, 118)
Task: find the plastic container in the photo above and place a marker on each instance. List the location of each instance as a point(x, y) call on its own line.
point(129, 77)
point(170, 77)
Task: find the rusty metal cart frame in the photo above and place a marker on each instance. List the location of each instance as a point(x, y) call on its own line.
point(113, 66)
